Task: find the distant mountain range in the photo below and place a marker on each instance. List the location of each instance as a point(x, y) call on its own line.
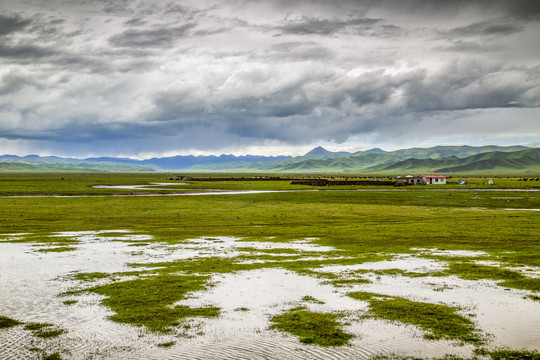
point(518, 160)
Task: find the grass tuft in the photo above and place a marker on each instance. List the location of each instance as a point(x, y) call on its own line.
point(54, 356)
point(43, 330)
point(312, 327)
point(166, 344)
point(58, 249)
point(6, 322)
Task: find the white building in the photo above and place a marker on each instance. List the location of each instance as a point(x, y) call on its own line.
point(433, 179)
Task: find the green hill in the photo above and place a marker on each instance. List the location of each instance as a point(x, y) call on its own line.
point(438, 152)
point(519, 162)
point(15, 167)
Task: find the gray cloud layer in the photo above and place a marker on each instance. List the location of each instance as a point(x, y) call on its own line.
point(202, 75)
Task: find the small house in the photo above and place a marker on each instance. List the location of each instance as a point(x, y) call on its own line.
point(421, 180)
point(433, 179)
point(414, 180)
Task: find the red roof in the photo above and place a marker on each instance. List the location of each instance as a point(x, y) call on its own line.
point(433, 176)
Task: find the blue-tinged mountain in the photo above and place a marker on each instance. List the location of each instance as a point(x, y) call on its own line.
point(184, 162)
point(55, 163)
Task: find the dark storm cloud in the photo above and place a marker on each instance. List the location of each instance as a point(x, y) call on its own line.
point(471, 46)
point(136, 22)
point(519, 9)
point(160, 36)
point(24, 51)
point(11, 83)
point(495, 27)
point(10, 24)
point(318, 26)
point(298, 51)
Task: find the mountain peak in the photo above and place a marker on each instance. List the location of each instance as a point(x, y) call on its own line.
point(319, 150)
point(376, 150)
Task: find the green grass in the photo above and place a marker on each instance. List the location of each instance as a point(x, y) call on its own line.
point(53, 356)
point(311, 299)
point(6, 322)
point(515, 355)
point(345, 282)
point(312, 327)
point(58, 249)
point(43, 330)
point(147, 301)
point(438, 321)
point(92, 276)
point(81, 184)
point(495, 355)
point(510, 278)
point(166, 344)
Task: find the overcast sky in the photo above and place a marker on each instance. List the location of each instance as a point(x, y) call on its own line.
point(157, 78)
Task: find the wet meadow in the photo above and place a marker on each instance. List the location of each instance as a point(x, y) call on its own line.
point(265, 269)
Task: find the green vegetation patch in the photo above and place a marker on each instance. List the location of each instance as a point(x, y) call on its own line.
point(471, 271)
point(312, 327)
point(6, 322)
point(147, 301)
point(43, 330)
point(345, 282)
point(53, 356)
point(57, 249)
point(166, 344)
point(512, 279)
point(515, 355)
point(441, 322)
point(92, 276)
point(311, 299)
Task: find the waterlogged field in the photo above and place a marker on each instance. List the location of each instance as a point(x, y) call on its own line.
point(277, 272)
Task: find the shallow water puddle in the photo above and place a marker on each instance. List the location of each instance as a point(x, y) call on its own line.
point(150, 186)
point(31, 282)
point(249, 299)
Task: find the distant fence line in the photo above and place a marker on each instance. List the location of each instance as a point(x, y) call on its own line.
point(325, 182)
point(294, 181)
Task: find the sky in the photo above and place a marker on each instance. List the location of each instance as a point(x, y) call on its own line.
point(149, 78)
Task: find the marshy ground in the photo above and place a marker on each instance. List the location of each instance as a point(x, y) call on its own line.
point(314, 274)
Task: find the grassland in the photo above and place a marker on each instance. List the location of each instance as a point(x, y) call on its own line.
point(81, 183)
point(360, 225)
